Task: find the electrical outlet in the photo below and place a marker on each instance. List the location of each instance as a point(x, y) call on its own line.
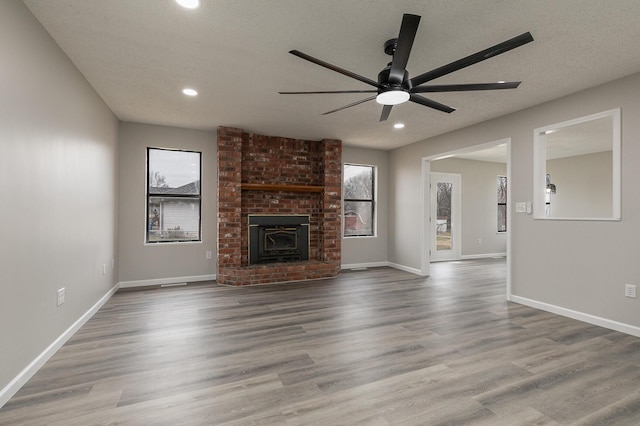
point(479, 241)
point(630, 290)
point(104, 269)
point(61, 296)
point(208, 255)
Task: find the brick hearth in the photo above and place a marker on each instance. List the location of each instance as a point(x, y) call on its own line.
point(279, 176)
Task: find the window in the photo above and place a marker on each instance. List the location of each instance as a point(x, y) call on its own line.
point(173, 195)
point(359, 202)
point(502, 204)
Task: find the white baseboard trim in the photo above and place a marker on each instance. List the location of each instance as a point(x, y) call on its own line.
point(379, 264)
point(580, 316)
point(163, 281)
point(364, 265)
point(405, 268)
point(23, 377)
point(482, 256)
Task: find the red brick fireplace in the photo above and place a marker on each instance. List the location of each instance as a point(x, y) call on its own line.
point(266, 175)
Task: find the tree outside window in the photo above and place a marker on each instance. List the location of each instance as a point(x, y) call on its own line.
point(443, 215)
point(359, 201)
point(502, 203)
point(173, 195)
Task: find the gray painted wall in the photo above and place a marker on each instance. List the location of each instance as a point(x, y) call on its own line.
point(58, 168)
point(479, 204)
point(576, 265)
point(149, 264)
point(362, 251)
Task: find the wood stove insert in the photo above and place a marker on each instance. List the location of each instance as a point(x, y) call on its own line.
point(278, 238)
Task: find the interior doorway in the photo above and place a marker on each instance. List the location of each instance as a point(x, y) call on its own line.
point(488, 218)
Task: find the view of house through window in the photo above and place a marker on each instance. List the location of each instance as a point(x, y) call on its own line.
point(173, 195)
point(502, 204)
point(359, 202)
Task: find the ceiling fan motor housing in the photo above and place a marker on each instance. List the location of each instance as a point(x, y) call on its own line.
point(383, 80)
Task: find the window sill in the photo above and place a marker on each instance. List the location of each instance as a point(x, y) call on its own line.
point(171, 243)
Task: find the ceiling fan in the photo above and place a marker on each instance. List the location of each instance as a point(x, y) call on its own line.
point(394, 85)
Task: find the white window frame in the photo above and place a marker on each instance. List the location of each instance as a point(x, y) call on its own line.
point(374, 210)
point(194, 197)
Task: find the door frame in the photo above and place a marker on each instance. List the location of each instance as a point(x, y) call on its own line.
point(425, 241)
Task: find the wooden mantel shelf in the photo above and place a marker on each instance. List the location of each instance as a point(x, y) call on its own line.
point(273, 187)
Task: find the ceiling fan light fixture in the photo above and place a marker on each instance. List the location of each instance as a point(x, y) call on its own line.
point(392, 97)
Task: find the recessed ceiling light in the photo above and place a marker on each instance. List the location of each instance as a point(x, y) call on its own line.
point(398, 125)
point(189, 4)
point(189, 92)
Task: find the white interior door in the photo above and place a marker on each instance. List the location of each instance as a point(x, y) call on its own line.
point(445, 216)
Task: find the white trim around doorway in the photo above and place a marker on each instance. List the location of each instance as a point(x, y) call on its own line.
point(425, 231)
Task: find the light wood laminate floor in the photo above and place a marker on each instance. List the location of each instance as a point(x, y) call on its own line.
point(374, 347)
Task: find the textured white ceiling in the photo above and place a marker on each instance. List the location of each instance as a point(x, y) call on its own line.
point(139, 54)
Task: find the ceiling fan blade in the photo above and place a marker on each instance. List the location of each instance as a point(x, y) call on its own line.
point(407, 34)
point(328, 92)
point(431, 103)
point(350, 105)
point(334, 68)
point(472, 59)
point(386, 110)
point(465, 87)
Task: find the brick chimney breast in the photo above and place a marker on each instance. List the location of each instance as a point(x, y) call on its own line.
point(270, 175)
